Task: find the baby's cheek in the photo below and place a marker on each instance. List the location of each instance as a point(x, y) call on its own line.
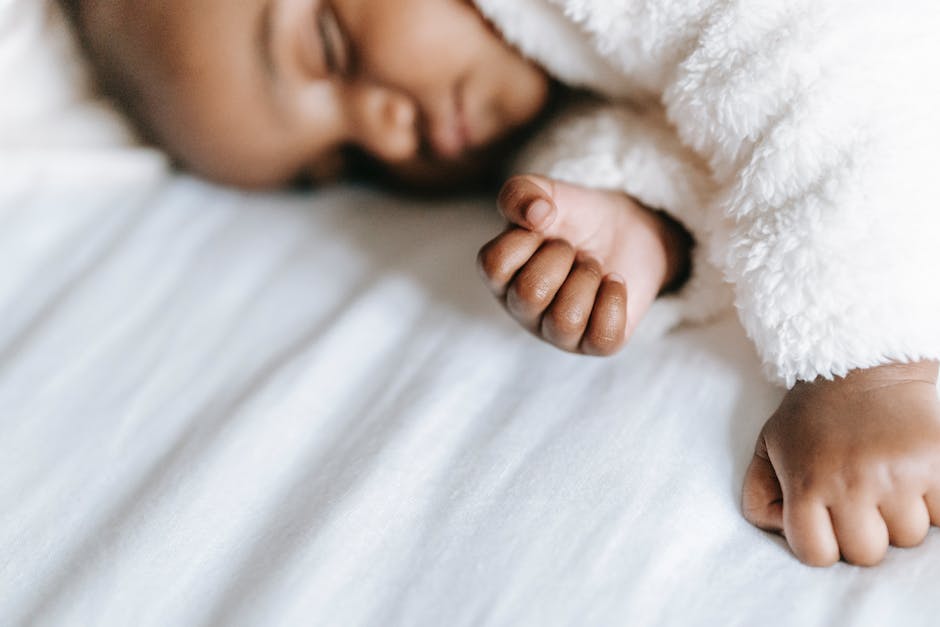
point(509, 109)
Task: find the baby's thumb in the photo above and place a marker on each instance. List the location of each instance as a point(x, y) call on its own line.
point(527, 201)
point(762, 497)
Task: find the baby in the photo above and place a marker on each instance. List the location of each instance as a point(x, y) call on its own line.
point(783, 145)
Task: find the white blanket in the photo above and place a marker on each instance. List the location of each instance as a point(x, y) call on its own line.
point(304, 409)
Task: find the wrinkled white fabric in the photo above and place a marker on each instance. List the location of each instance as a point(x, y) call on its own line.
point(230, 409)
point(818, 121)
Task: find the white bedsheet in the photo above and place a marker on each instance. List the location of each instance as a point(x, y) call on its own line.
point(220, 408)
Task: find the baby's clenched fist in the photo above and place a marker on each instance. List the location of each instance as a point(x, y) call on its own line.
point(580, 267)
point(847, 467)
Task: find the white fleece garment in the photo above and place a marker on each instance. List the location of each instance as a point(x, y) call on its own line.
point(796, 140)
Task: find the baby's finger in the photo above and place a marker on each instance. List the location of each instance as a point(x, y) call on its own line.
point(762, 497)
point(808, 530)
point(606, 330)
point(567, 317)
point(527, 201)
point(535, 285)
point(500, 259)
point(861, 533)
point(907, 519)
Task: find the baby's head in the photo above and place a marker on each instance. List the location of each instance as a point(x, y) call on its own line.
point(260, 92)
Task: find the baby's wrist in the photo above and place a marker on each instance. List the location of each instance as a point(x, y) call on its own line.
point(678, 244)
point(924, 371)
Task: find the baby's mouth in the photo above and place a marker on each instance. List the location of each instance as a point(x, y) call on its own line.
point(448, 134)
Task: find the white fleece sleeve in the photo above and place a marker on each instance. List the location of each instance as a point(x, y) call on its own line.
point(821, 123)
point(622, 147)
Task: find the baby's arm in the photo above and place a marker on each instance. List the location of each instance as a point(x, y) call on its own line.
point(846, 467)
point(822, 146)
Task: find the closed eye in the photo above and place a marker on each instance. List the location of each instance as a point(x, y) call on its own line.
point(335, 48)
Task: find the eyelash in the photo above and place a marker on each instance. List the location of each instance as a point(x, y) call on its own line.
point(330, 31)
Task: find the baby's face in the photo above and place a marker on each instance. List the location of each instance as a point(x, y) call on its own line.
point(257, 92)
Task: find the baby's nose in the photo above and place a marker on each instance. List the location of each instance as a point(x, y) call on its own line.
point(386, 124)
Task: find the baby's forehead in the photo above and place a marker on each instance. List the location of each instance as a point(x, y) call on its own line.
point(186, 75)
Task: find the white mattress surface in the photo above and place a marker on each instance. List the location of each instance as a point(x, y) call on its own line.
point(220, 408)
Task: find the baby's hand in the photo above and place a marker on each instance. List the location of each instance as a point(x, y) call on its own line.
point(580, 267)
point(849, 466)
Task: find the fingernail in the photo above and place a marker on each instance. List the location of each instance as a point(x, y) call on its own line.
point(538, 212)
point(616, 278)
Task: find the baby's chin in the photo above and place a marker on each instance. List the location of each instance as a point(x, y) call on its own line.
point(472, 171)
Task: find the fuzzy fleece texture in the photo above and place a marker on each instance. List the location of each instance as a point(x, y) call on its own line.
point(796, 140)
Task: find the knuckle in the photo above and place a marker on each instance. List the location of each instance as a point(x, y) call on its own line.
point(850, 480)
point(847, 482)
point(819, 557)
point(486, 258)
point(908, 537)
point(530, 290)
point(864, 553)
point(591, 268)
point(560, 247)
point(751, 511)
point(492, 263)
point(896, 477)
point(808, 484)
point(908, 531)
point(617, 301)
point(567, 319)
point(602, 343)
point(512, 191)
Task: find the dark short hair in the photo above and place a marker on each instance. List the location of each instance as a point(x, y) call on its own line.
point(114, 79)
